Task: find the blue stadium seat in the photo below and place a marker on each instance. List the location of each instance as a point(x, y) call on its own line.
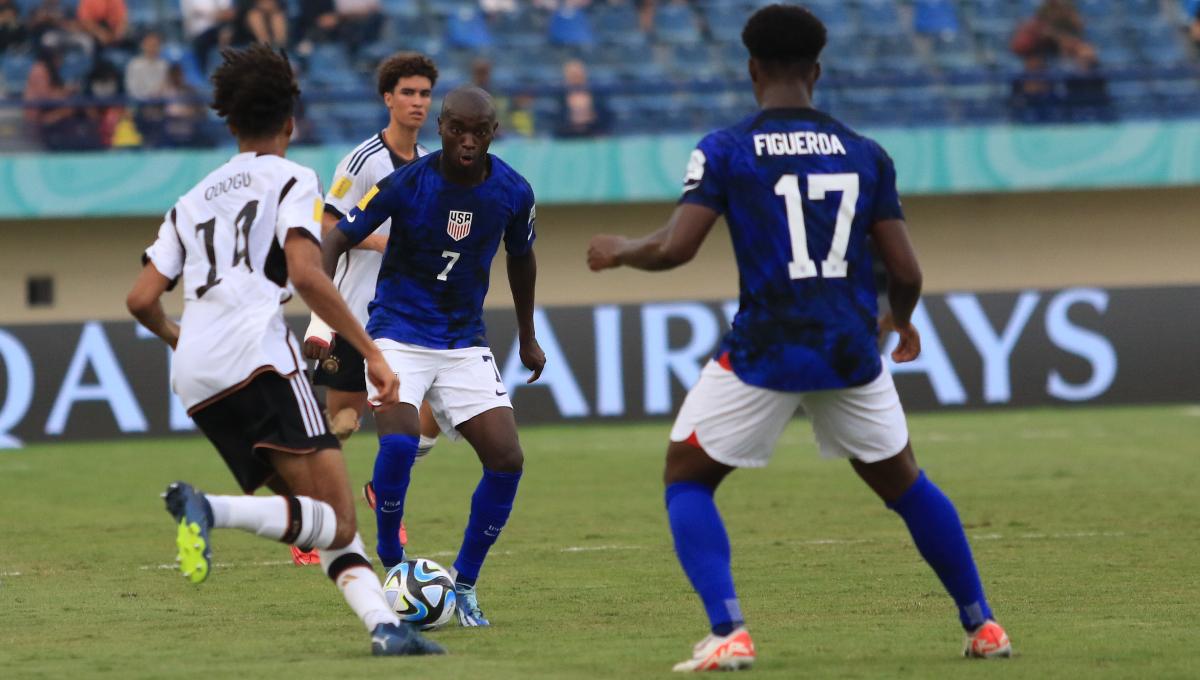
point(466, 28)
point(675, 24)
point(404, 9)
point(569, 26)
point(879, 17)
point(16, 70)
point(75, 66)
point(935, 17)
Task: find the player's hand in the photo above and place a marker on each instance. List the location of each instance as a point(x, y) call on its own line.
point(603, 251)
point(910, 344)
point(317, 349)
point(533, 357)
point(385, 382)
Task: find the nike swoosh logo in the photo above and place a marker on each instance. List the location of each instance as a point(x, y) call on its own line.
point(500, 394)
point(351, 218)
point(390, 511)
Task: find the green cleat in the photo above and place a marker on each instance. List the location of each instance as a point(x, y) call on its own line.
point(189, 507)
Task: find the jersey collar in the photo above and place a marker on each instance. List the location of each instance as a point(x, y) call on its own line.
point(791, 113)
point(396, 160)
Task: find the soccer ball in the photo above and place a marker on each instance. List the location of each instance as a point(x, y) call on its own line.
point(421, 592)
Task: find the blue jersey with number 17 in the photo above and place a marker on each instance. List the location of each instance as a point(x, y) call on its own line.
point(438, 262)
point(800, 192)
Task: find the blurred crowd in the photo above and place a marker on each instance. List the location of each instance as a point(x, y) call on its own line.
point(131, 73)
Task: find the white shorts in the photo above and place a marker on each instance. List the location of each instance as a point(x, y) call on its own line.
point(459, 384)
point(738, 424)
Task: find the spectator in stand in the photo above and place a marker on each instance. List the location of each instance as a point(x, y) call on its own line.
point(493, 8)
point(646, 15)
point(1055, 30)
point(60, 128)
point(263, 21)
point(318, 23)
point(12, 31)
point(104, 87)
point(105, 20)
point(360, 22)
point(184, 113)
point(146, 74)
point(1192, 9)
point(581, 112)
point(49, 26)
point(207, 24)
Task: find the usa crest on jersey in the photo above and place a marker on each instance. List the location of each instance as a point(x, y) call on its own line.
point(459, 225)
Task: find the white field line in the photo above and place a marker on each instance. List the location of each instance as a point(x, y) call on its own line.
point(610, 548)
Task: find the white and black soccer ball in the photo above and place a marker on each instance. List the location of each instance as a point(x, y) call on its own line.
point(421, 592)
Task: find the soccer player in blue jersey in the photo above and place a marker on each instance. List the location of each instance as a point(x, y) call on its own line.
point(449, 211)
point(801, 193)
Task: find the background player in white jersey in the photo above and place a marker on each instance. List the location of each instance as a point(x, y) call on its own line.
point(242, 240)
point(405, 81)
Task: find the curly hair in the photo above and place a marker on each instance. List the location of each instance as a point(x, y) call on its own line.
point(255, 90)
point(784, 35)
point(404, 65)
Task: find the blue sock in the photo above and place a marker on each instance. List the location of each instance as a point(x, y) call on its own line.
point(491, 504)
point(393, 469)
point(938, 533)
point(703, 549)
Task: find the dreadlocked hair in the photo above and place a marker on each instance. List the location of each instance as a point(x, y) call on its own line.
point(255, 90)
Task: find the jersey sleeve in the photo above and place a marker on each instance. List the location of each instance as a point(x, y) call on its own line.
point(703, 182)
point(374, 208)
point(887, 198)
point(348, 187)
point(300, 206)
point(520, 235)
point(167, 251)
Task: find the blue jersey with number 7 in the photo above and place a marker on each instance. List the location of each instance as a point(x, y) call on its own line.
point(800, 192)
point(438, 262)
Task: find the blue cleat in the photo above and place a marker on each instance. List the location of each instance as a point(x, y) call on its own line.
point(467, 609)
point(191, 510)
point(391, 639)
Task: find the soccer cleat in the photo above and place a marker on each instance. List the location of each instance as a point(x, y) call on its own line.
point(467, 607)
point(191, 510)
point(369, 497)
point(989, 641)
point(731, 652)
point(401, 639)
point(304, 557)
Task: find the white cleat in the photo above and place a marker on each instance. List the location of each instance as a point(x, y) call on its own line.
point(731, 652)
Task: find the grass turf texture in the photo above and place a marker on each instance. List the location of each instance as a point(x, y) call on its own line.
point(1083, 522)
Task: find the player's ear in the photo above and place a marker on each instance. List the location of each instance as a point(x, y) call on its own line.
point(289, 127)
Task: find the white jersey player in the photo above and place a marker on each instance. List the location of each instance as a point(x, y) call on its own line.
point(405, 82)
point(242, 241)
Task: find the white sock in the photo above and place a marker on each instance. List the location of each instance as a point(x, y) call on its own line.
point(424, 444)
point(351, 571)
point(298, 520)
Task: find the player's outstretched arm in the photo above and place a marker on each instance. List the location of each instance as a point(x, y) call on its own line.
point(904, 283)
point(676, 243)
point(318, 291)
point(522, 274)
point(375, 242)
point(333, 244)
point(145, 304)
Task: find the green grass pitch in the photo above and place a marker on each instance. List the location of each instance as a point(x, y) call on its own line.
point(1085, 524)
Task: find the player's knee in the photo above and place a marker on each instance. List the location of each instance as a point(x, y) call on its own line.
point(506, 459)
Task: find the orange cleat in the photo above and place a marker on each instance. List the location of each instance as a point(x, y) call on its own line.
point(989, 641)
point(728, 653)
point(369, 497)
point(303, 558)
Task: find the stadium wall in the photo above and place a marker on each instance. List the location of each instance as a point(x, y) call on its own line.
point(993, 242)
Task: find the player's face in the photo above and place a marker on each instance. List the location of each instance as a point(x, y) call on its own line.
point(465, 139)
point(409, 101)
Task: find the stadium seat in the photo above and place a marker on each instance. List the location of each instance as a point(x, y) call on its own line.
point(570, 26)
point(935, 17)
point(467, 29)
point(675, 24)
